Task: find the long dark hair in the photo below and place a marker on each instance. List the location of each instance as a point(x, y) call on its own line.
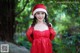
point(35, 21)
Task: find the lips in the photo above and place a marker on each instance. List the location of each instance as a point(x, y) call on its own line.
point(40, 18)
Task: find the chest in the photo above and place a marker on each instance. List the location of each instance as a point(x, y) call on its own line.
point(41, 27)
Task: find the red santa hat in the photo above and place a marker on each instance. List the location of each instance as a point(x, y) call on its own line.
point(38, 7)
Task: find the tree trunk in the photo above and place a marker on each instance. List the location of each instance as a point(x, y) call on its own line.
point(7, 20)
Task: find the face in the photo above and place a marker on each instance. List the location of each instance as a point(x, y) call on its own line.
point(40, 16)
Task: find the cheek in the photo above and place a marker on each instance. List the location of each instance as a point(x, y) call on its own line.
point(43, 15)
point(36, 16)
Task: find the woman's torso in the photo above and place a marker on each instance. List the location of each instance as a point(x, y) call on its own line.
point(41, 33)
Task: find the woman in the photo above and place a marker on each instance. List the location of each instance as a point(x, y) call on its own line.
point(41, 32)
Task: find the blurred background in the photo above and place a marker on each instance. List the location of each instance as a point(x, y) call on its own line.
point(63, 14)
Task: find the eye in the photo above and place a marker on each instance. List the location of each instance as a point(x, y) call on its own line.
point(43, 12)
point(37, 13)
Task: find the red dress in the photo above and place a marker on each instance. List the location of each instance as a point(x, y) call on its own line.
point(41, 40)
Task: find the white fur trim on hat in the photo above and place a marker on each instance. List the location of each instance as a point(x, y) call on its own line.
point(39, 9)
point(31, 16)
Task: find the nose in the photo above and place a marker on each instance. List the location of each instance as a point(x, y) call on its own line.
point(40, 15)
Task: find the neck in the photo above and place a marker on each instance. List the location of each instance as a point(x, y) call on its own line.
point(40, 22)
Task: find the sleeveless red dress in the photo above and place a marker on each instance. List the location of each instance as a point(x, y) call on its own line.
point(41, 40)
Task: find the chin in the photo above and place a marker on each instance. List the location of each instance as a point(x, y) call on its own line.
point(40, 20)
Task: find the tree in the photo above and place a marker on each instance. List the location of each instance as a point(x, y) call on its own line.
point(7, 19)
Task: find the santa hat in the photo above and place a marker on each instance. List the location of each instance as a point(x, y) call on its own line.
point(38, 7)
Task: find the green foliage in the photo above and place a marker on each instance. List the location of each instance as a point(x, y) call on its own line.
point(67, 44)
point(64, 18)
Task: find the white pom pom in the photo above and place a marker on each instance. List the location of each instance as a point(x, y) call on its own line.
point(31, 16)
